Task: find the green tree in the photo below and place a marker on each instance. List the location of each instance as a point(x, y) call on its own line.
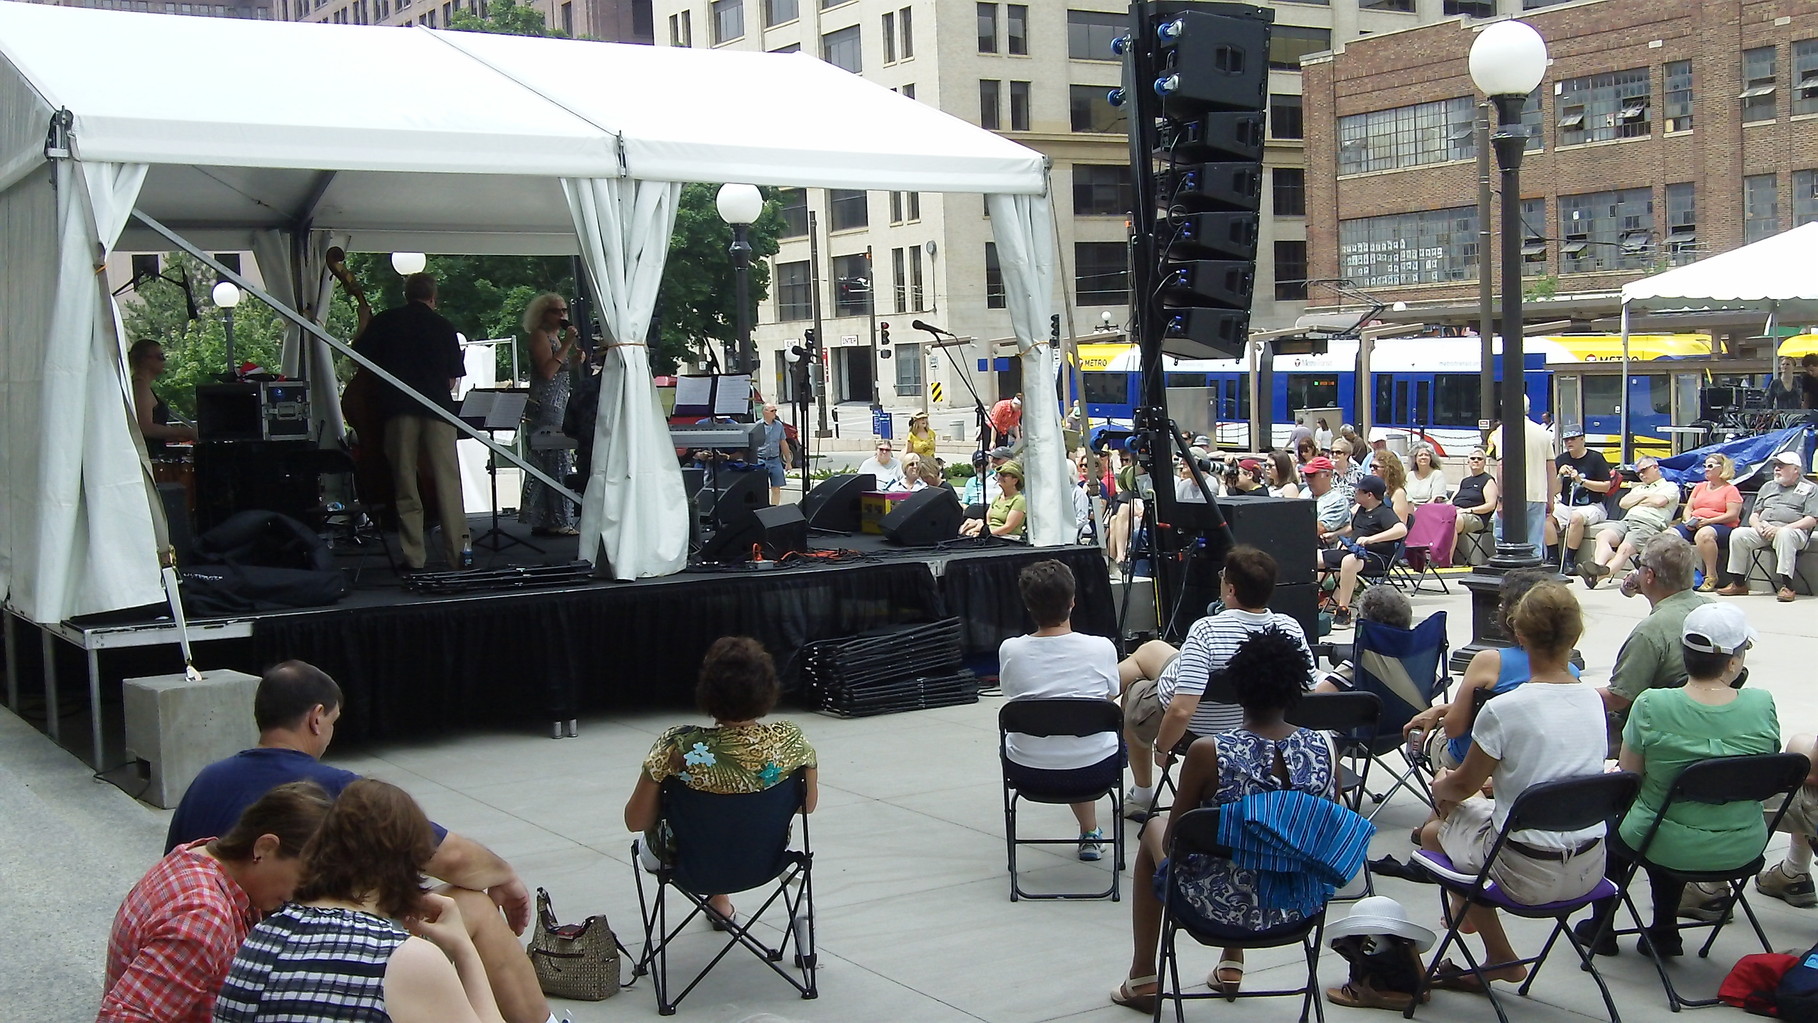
point(697, 304)
point(483, 296)
point(504, 17)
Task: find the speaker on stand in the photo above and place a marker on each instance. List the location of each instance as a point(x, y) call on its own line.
point(833, 504)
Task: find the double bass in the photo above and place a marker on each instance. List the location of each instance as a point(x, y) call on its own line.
point(360, 405)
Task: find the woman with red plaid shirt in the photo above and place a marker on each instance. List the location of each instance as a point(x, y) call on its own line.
point(178, 929)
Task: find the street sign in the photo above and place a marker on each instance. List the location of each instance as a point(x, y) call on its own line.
point(934, 392)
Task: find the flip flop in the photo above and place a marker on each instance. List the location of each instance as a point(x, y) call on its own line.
point(1451, 977)
point(1363, 996)
point(1228, 988)
point(723, 923)
point(1122, 995)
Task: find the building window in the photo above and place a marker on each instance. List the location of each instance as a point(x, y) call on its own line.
point(1101, 190)
point(912, 207)
point(908, 359)
point(1409, 136)
point(1530, 119)
point(1289, 185)
point(904, 24)
point(852, 285)
point(1089, 33)
point(1598, 108)
point(899, 280)
point(1805, 76)
point(889, 37)
point(1403, 6)
point(847, 209)
point(994, 279)
point(1805, 197)
point(989, 103)
point(1534, 243)
point(909, 90)
point(1469, 8)
point(681, 33)
point(1682, 222)
point(915, 279)
point(1285, 117)
point(1019, 106)
point(1760, 207)
point(1090, 110)
point(793, 209)
point(1430, 247)
point(896, 207)
point(987, 28)
point(1606, 230)
point(841, 49)
point(777, 12)
point(1678, 99)
point(1289, 43)
point(794, 292)
point(1290, 271)
point(1758, 70)
point(1101, 273)
point(1016, 29)
point(145, 264)
point(728, 20)
point(788, 48)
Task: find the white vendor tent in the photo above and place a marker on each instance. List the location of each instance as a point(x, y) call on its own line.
point(384, 138)
point(1774, 275)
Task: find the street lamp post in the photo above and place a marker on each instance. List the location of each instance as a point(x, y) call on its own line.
point(1508, 60)
point(739, 205)
point(226, 296)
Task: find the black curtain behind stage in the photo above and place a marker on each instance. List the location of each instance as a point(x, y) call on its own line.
point(982, 591)
point(427, 667)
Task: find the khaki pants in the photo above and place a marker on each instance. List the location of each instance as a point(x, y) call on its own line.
point(410, 440)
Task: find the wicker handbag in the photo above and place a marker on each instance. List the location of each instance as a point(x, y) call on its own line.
point(578, 961)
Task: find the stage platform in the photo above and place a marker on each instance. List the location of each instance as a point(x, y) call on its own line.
point(412, 664)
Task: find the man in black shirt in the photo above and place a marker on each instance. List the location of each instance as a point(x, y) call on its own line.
point(418, 346)
point(1584, 482)
point(1366, 544)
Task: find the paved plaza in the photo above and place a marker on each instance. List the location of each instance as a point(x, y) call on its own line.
point(914, 918)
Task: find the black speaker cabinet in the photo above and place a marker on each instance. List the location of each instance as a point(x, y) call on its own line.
point(1299, 601)
point(833, 504)
point(1284, 527)
point(777, 531)
point(924, 518)
point(741, 493)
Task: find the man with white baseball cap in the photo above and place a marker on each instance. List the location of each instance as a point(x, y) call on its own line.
point(1786, 510)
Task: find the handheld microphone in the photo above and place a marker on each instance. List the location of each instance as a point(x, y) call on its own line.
point(932, 329)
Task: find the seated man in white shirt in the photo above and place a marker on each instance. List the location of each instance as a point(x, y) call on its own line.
point(1052, 662)
point(1165, 688)
point(885, 466)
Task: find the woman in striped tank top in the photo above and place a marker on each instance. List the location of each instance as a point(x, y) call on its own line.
point(363, 943)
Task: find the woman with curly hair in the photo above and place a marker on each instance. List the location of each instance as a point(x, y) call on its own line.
point(738, 754)
point(1268, 673)
point(363, 942)
point(1427, 483)
point(1395, 476)
point(555, 349)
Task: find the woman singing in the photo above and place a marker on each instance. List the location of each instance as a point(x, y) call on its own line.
point(555, 347)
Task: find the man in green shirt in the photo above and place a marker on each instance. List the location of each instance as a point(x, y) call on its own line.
point(1653, 656)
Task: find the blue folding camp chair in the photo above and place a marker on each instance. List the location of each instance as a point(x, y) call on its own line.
point(1406, 669)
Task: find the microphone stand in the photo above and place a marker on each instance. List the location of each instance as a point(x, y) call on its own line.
point(978, 404)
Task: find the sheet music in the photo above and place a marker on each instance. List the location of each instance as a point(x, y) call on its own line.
point(501, 409)
point(733, 397)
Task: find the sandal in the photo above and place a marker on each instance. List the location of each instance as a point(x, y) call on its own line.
point(722, 923)
point(1228, 988)
point(1357, 994)
point(1129, 999)
point(1451, 977)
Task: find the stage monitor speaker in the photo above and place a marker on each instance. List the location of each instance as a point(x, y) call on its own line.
point(777, 531)
point(1284, 527)
point(924, 518)
point(833, 504)
point(741, 493)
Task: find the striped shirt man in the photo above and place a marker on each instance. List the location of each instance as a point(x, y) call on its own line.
point(1209, 644)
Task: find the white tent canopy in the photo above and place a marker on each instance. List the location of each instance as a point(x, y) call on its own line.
point(1774, 272)
point(408, 139)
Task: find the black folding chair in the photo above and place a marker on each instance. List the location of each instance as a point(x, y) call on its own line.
point(1570, 805)
point(1079, 716)
point(1196, 832)
point(726, 844)
point(1352, 718)
point(1406, 669)
point(1751, 779)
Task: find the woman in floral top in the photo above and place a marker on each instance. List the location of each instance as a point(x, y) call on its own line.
point(737, 754)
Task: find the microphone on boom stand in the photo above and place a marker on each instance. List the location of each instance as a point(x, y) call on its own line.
point(978, 405)
point(931, 328)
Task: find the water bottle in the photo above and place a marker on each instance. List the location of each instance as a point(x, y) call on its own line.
point(467, 556)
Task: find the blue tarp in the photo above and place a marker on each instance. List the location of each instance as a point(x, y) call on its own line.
point(1749, 453)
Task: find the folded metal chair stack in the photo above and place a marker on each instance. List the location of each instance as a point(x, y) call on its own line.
point(912, 667)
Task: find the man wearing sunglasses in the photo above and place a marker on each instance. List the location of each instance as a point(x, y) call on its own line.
point(1475, 500)
point(1648, 509)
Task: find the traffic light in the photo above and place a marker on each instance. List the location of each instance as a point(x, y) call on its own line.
point(1054, 328)
point(883, 340)
point(1206, 66)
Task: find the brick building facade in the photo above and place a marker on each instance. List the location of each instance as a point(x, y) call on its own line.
point(1668, 130)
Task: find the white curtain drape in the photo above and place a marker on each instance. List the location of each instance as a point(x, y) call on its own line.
point(78, 532)
point(304, 284)
point(1024, 231)
point(635, 513)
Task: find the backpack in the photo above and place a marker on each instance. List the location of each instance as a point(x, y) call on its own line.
point(260, 561)
point(1751, 983)
point(1796, 996)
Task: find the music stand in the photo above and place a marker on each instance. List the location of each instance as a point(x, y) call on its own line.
point(496, 410)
